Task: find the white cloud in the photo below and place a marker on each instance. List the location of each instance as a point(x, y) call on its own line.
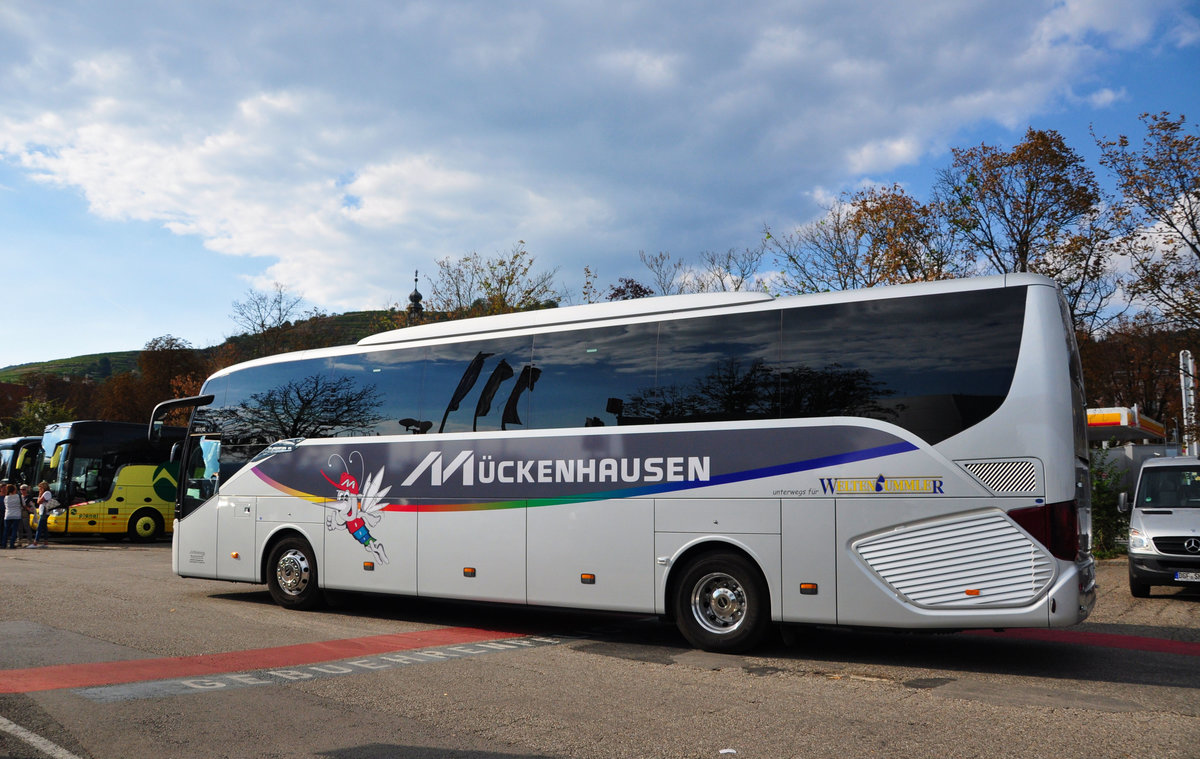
point(643, 68)
point(1106, 96)
point(347, 150)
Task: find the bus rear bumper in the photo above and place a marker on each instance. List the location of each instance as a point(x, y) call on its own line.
point(1074, 595)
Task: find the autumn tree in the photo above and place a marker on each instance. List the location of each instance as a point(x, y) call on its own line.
point(1035, 208)
point(1135, 362)
point(171, 368)
point(877, 236)
point(628, 289)
point(908, 241)
point(123, 399)
point(1160, 213)
point(77, 394)
point(478, 286)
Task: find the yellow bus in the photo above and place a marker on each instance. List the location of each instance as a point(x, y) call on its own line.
point(109, 480)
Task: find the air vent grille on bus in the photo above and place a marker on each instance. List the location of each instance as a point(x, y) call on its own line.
point(1008, 477)
point(978, 560)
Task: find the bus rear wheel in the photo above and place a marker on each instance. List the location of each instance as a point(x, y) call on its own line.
point(145, 526)
point(721, 603)
point(292, 575)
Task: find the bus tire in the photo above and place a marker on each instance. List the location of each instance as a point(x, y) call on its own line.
point(145, 526)
point(292, 575)
point(721, 603)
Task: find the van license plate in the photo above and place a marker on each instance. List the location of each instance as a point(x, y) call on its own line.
point(1187, 576)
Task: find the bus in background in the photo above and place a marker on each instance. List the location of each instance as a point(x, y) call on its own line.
point(902, 457)
point(109, 479)
point(19, 460)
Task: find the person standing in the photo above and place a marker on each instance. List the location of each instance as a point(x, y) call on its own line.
point(45, 502)
point(28, 509)
point(12, 517)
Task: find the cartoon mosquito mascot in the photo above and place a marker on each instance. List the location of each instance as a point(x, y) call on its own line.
point(357, 508)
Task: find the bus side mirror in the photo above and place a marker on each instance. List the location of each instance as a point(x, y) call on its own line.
point(154, 432)
point(1123, 502)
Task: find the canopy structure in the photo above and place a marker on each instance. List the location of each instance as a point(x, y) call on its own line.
point(1123, 424)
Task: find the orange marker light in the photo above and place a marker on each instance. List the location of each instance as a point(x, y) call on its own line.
point(368, 566)
point(587, 579)
point(235, 555)
point(972, 591)
point(468, 571)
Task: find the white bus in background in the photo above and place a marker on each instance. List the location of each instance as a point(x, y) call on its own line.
point(903, 457)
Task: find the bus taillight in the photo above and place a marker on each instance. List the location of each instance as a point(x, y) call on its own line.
point(1054, 525)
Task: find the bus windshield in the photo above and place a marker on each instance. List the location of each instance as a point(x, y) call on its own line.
point(75, 471)
point(54, 454)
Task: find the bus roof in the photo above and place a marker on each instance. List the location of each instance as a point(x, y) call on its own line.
point(548, 316)
point(595, 313)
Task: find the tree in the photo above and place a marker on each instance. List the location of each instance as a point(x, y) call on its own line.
point(1160, 213)
point(75, 393)
point(907, 241)
point(477, 286)
point(1035, 208)
point(877, 236)
point(731, 271)
point(35, 414)
point(261, 312)
point(268, 320)
point(628, 289)
point(167, 365)
point(1135, 361)
point(670, 277)
point(123, 398)
point(822, 255)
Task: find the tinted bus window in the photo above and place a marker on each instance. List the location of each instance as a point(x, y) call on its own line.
point(478, 385)
point(914, 362)
point(591, 377)
point(296, 399)
point(384, 389)
point(718, 368)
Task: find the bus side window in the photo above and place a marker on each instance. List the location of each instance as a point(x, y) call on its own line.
point(590, 376)
point(467, 385)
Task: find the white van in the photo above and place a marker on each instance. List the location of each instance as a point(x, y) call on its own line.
point(1164, 525)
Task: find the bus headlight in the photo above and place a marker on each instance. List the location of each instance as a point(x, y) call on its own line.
point(1137, 540)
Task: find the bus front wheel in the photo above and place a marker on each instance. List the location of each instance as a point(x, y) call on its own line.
point(721, 603)
point(292, 575)
point(145, 526)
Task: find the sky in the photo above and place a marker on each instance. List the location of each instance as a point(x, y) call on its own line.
point(158, 161)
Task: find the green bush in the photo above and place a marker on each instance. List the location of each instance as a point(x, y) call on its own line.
point(1108, 524)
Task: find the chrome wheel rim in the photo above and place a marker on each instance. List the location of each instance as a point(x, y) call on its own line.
point(292, 572)
point(719, 603)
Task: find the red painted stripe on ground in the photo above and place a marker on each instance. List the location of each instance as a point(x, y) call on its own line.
point(140, 670)
point(1103, 640)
